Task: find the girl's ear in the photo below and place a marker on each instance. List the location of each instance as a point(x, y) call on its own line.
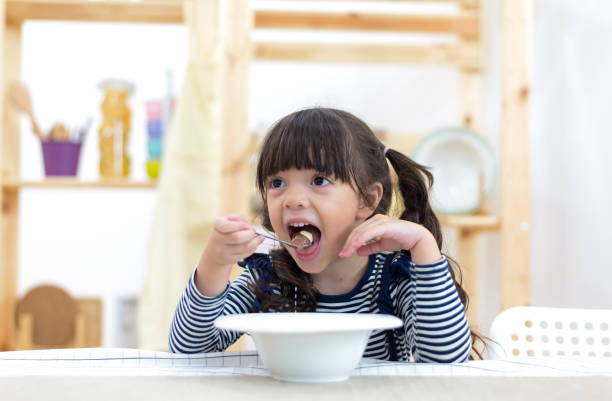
point(367, 206)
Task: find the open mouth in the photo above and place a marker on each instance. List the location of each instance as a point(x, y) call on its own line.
point(304, 235)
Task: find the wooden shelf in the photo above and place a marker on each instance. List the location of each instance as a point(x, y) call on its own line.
point(76, 183)
point(470, 221)
point(465, 55)
point(153, 11)
point(464, 23)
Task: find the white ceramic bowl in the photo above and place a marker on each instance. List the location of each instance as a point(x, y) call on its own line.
point(309, 347)
point(458, 158)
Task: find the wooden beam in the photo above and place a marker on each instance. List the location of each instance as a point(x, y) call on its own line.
point(236, 141)
point(10, 49)
point(465, 23)
point(68, 182)
point(470, 104)
point(7, 286)
point(462, 55)
point(462, 3)
point(470, 222)
point(10, 127)
point(235, 185)
point(470, 100)
point(466, 3)
point(470, 83)
point(467, 252)
point(515, 212)
point(153, 11)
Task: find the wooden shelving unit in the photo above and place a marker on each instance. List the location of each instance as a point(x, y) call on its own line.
point(466, 55)
point(76, 183)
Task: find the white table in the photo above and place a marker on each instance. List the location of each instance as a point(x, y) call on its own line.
point(120, 374)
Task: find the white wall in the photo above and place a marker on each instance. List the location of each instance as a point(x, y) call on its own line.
point(571, 164)
point(93, 242)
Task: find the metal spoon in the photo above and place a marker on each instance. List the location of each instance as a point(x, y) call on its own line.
point(276, 239)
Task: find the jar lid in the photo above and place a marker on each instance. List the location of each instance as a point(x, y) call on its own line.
point(114, 84)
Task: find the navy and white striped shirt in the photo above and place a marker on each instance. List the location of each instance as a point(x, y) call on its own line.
point(435, 327)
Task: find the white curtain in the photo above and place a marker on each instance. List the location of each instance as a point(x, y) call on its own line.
point(187, 204)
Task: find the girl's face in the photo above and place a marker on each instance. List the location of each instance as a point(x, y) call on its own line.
point(307, 200)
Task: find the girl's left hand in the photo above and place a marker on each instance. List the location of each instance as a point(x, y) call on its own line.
point(383, 233)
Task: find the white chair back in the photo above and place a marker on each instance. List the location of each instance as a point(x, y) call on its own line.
point(528, 331)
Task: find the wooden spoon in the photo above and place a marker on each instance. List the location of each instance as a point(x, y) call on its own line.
point(19, 95)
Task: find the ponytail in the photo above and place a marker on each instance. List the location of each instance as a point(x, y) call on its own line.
point(414, 183)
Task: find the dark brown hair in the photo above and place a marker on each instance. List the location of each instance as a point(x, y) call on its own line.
point(336, 143)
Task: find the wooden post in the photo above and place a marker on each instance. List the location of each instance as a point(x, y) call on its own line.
point(515, 214)
point(10, 49)
point(236, 143)
point(467, 252)
point(470, 90)
point(220, 35)
point(7, 288)
point(470, 106)
point(470, 79)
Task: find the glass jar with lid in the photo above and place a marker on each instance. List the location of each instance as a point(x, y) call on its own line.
point(115, 128)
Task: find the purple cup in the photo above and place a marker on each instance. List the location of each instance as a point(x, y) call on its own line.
point(155, 129)
point(61, 158)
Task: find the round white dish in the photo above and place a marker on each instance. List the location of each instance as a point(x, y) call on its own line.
point(458, 158)
point(309, 347)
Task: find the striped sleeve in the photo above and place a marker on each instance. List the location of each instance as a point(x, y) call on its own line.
point(193, 330)
point(434, 317)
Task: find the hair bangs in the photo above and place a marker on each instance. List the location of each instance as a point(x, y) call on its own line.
point(300, 141)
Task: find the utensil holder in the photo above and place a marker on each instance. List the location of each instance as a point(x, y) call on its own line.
point(61, 158)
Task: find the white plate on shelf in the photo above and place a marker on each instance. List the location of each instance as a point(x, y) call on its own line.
point(309, 347)
point(460, 161)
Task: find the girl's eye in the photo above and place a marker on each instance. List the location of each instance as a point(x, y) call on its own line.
point(276, 183)
point(320, 181)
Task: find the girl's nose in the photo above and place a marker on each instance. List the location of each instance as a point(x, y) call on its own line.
point(296, 200)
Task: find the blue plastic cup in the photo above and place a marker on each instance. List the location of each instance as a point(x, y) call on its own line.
point(155, 147)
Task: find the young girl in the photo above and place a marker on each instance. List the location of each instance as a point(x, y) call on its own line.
point(323, 171)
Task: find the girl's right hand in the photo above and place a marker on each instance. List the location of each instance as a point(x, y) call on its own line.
point(231, 239)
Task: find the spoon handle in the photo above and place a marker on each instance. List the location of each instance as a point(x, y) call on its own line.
point(276, 239)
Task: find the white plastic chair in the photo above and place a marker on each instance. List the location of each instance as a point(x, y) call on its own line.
point(529, 331)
